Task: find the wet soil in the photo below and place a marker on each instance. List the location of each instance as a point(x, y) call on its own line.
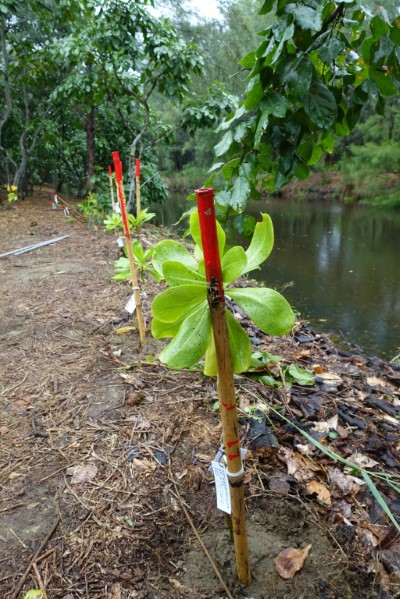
point(76, 391)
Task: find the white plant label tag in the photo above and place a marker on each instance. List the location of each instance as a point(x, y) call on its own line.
point(117, 208)
point(131, 305)
point(120, 242)
point(222, 487)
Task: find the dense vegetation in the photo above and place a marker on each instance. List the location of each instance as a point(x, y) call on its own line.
point(80, 78)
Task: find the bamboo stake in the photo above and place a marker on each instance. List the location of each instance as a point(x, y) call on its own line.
point(138, 207)
point(226, 389)
point(128, 244)
point(111, 188)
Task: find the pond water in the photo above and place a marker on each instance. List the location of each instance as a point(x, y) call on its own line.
point(338, 265)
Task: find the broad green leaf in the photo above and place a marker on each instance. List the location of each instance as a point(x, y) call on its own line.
point(240, 193)
point(262, 125)
point(191, 342)
point(320, 105)
point(267, 308)
point(233, 264)
point(301, 376)
point(378, 27)
point(331, 50)
point(196, 233)
point(266, 7)
point(165, 329)
point(248, 61)
point(224, 144)
point(174, 303)
point(34, 594)
point(316, 155)
point(306, 17)
point(176, 273)
point(384, 83)
point(261, 244)
point(240, 348)
point(395, 32)
point(172, 251)
point(239, 343)
point(298, 77)
point(210, 365)
point(254, 97)
point(275, 104)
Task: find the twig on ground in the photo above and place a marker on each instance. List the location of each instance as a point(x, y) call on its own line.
point(204, 548)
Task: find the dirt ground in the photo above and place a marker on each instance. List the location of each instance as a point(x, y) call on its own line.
point(77, 398)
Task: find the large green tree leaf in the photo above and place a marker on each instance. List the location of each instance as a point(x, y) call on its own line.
point(320, 105)
point(267, 308)
point(176, 302)
point(191, 342)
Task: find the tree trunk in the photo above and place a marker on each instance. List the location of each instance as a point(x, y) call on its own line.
point(90, 146)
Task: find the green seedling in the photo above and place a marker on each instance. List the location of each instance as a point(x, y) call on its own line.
point(268, 369)
point(113, 222)
point(182, 311)
point(142, 260)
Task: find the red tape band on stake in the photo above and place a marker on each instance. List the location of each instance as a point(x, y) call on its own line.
point(231, 443)
point(209, 238)
point(109, 170)
point(138, 167)
point(225, 405)
point(232, 456)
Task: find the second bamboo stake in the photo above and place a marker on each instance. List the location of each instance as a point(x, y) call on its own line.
point(128, 242)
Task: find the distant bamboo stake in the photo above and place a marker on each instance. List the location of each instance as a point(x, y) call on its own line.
point(226, 389)
point(138, 207)
point(128, 244)
point(111, 187)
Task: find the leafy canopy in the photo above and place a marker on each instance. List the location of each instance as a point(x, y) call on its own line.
point(318, 64)
point(182, 311)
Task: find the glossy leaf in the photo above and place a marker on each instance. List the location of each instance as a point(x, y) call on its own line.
point(169, 250)
point(176, 273)
point(261, 244)
point(196, 234)
point(267, 308)
point(173, 303)
point(320, 105)
point(191, 342)
point(233, 264)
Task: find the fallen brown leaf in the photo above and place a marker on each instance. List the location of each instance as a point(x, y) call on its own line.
point(290, 561)
point(321, 492)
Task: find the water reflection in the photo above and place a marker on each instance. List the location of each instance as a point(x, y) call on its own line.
point(338, 264)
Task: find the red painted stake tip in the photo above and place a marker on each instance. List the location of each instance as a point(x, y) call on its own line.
point(109, 170)
point(208, 228)
point(137, 167)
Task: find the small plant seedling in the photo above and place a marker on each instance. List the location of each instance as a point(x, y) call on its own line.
point(113, 222)
point(182, 311)
point(143, 261)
